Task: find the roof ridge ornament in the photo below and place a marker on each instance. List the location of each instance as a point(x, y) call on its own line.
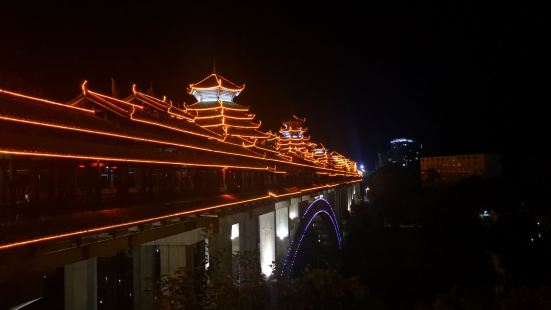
point(84, 88)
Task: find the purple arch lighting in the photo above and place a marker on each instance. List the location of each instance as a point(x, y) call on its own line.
point(320, 208)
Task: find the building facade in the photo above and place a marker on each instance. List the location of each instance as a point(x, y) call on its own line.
point(450, 169)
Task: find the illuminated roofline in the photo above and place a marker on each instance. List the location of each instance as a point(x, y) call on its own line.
point(105, 97)
point(219, 79)
point(3, 91)
point(105, 100)
point(136, 138)
point(163, 105)
point(244, 109)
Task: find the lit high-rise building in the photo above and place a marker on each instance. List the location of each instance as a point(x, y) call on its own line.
point(403, 152)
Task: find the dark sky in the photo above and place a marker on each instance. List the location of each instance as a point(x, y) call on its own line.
point(456, 76)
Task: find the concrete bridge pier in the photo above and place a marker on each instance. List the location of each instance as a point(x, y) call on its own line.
point(267, 242)
point(144, 273)
point(294, 215)
point(81, 284)
point(175, 252)
point(230, 239)
point(282, 229)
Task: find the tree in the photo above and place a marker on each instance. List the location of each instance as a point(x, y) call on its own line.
point(216, 288)
point(212, 285)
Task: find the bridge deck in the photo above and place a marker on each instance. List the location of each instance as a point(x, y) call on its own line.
point(55, 228)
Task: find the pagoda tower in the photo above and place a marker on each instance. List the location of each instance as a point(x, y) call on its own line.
point(292, 138)
point(216, 110)
point(320, 155)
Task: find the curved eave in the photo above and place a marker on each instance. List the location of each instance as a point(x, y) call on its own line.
point(216, 105)
point(214, 81)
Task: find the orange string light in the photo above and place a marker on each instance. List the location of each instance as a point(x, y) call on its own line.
point(3, 91)
point(131, 160)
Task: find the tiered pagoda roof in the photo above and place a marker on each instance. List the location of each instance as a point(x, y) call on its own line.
point(320, 155)
point(340, 162)
point(292, 138)
point(216, 110)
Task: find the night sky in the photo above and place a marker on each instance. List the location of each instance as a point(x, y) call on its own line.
point(455, 76)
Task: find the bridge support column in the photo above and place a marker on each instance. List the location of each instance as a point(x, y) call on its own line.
point(173, 257)
point(294, 215)
point(282, 229)
point(176, 251)
point(235, 249)
point(266, 228)
point(356, 192)
point(81, 285)
point(250, 233)
point(331, 196)
point(143, 268)
point(350, 197)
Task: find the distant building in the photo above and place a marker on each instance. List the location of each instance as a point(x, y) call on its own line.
point(403, 152)
point(450, 169)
